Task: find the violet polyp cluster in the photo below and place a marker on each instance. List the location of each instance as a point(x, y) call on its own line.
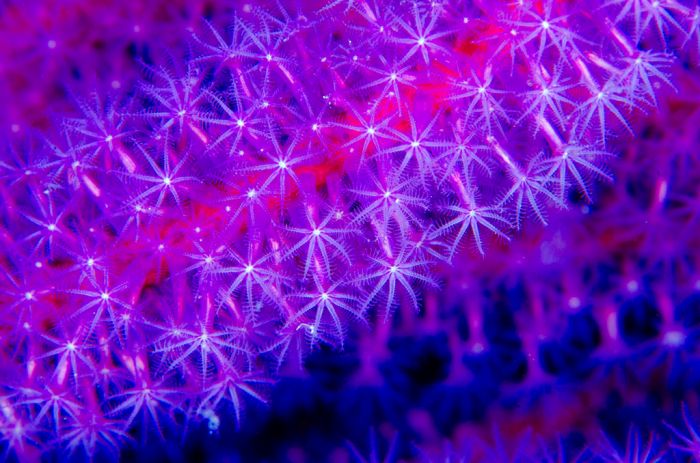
point(170, 248)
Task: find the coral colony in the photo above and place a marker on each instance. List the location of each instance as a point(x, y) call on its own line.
point(350, 231)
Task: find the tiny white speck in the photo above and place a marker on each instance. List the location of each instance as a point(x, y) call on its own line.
point(674, 339)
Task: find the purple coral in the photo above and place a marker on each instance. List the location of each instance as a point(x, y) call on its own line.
point(280, 175)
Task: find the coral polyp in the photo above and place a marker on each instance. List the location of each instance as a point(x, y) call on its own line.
point(466, 225)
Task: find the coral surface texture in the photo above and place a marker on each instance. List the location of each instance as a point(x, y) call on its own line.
point(350, 231)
